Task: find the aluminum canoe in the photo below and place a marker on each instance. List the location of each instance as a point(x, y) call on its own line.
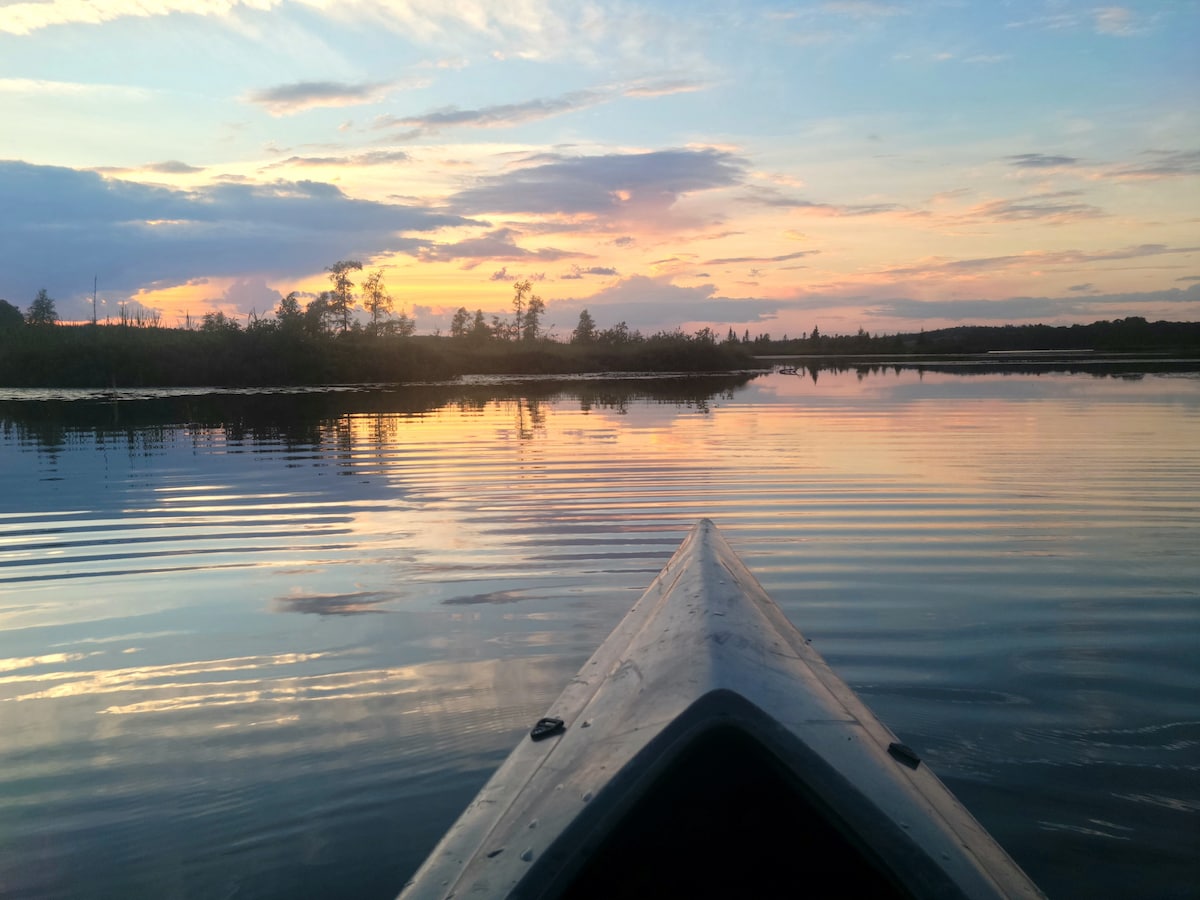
point(707, 750)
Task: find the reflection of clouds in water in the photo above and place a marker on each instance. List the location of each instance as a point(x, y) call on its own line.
point(140, 678)
point(120, 638)
point(15, 663)
point(900, 516)
point(490, 597)
point(334, 604)
point(464, 691)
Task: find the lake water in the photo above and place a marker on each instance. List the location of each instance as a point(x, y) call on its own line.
point(265, 645)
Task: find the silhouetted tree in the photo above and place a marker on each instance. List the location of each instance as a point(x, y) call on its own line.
point(460, 324)
point(397, 326)
point(10, 317)
point(520, 290)
point(218, 322)
point(376, 300)
point(317, 314)
point(618, 334)
point(532, 325)
point(479, 327)
point(288, 314)
point(42, 311)
point(585, 331)
point(341, 298)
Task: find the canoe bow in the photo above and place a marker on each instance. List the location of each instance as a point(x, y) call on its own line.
point(705, 666)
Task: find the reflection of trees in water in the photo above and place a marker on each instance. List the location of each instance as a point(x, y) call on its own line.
point(383, 429)
point(1125, 369)
point(336, 422)
point(531, 418)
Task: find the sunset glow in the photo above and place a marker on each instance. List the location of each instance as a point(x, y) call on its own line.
point(758, 167)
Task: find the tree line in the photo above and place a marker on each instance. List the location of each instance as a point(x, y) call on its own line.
point(321, 342)
point(1130, 334)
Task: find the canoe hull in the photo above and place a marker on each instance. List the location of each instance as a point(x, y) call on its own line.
point(706, 671)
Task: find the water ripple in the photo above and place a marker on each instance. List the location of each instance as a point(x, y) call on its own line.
point(255, 645)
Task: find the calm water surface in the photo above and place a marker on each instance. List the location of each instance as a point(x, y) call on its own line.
point(269, 645)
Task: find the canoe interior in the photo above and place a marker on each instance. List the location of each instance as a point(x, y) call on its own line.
point(727, 820)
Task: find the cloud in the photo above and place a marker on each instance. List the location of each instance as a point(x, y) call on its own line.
point(1053, 208)
point(730, 260)
point(25, 18)
point(654, 304)
point(167, 167)
point(174, 167)
point(1160, 164)
point(425, 20)
point(249, 294)
point(495, 245)
point(29, 87)
point(288, 99)
point(59, 227)
point(663, 86)
point(504, 115)
point(510, 115)
point(1037, 259)
point(502, 275)
point(607, 185)
point(1041, 161)
point(1115, 20)
point(369, 158)
point(455, 31)
point(863, 9)
point(1010, 310)
point(763, 195)
point(578, 273)
point(1015, 309)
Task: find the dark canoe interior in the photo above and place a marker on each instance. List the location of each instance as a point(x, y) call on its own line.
point(728, 820)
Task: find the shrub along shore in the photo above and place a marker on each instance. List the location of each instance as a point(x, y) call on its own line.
point(119, 356)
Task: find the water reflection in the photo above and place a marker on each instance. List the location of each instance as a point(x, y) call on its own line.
point(143, 419)
point(260, 645)
point(1128, 366)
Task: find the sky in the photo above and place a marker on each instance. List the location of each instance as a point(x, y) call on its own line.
point(767, 167)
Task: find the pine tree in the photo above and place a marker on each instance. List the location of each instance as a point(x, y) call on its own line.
point(42, 311)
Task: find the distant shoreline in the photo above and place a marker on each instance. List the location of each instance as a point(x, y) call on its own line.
point(269, 355)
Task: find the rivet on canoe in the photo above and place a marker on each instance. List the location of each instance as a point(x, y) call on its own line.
point(527, 855)
point(546, 727)
point(904, 754)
